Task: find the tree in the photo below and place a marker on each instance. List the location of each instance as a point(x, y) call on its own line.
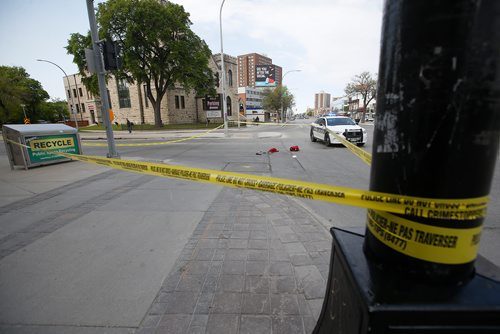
point(159, 48)
point(364, 85)
point(76, 47)
point(16, 89)
point(276, 99)
point(53, 111)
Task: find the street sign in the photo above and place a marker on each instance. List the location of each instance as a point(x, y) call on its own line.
point(27, 120)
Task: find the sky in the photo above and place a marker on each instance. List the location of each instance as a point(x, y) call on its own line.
point(329, 41)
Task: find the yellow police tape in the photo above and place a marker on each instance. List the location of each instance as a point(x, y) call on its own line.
point(456, 209)
point(422, 241)
point(271, 123)
point(362, 154)
point(430, 243)
point(157, 143)
point(425, 242)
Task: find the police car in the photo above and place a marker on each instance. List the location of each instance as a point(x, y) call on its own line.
point(323, 127)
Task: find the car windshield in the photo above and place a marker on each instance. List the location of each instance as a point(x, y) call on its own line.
point(340, 121)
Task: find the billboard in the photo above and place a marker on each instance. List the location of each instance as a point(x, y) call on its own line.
point(265, 76)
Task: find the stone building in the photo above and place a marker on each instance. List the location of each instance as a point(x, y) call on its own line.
point(129, 101)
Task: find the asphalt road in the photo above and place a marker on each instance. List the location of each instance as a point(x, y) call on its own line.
point(108, 216)
point(314, 162)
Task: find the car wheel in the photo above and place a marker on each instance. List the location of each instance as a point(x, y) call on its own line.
point(313, 139)
point(327, 140)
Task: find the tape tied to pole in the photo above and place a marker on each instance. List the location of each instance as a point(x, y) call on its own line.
point(436, 244)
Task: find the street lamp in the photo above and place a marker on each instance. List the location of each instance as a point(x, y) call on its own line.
point(224, 108)
point(283, 79)
point(69, 88)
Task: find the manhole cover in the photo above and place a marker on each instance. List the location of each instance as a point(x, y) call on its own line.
point(247, 167)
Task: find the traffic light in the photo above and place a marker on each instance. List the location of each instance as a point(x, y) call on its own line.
point(112, 54)
point(217, 79)
point(241, 108)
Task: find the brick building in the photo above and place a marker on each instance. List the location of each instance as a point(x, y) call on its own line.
point(246, 68)
point(250, 95)
point(321, 103)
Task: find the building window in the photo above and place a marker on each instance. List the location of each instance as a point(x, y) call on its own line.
point(74, 92)
point(80, 91)
point(228, 106)
point(69, 94)
point(183, 106)
point(83, 108)
point(177, 102)
point(77, 108)
point(123, 93)
point(146, 99)
point(230, 78)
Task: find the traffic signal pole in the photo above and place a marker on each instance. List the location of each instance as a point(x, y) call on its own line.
point(436, 136)
point(103, 92)
point(437, 124)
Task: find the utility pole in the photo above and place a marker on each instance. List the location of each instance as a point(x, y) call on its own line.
point(224, 107)
point(102, 81)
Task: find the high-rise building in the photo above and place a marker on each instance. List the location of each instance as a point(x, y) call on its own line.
point(246, 69)
point(321, 102)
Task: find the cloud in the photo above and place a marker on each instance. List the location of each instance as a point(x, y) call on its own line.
point(330, 41)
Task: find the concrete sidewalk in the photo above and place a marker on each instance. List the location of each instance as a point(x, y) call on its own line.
point(86, 249)
point(261, 268)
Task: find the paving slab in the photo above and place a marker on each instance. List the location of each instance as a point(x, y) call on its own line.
point(249, 280)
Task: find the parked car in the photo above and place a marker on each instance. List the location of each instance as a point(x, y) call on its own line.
point(323, 127)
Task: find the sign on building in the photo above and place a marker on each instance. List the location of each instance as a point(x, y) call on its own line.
point(265, 76)
point(213, 106)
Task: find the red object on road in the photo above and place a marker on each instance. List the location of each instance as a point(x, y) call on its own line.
point(294, 148)
point(273, 150)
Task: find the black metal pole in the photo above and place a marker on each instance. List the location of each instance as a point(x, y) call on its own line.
point(438, 121)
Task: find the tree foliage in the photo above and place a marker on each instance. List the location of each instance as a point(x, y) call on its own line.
point(53, 111)
point(366, 86)
point(159, 48)
point(276, 99)
point(16, 89)
point(76, 47)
